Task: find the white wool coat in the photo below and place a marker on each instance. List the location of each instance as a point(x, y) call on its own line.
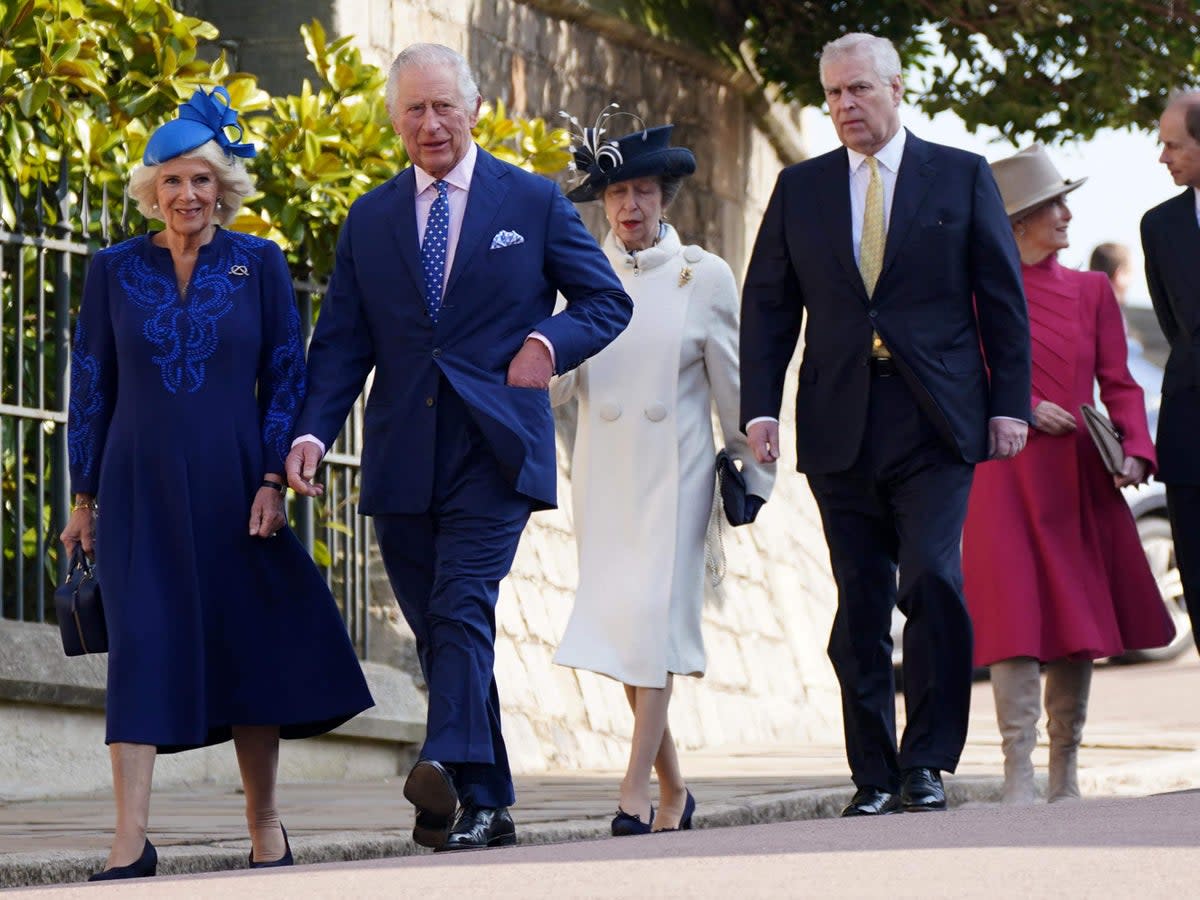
point(642, 475)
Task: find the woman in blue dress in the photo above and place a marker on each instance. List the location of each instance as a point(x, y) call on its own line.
point(186, 373)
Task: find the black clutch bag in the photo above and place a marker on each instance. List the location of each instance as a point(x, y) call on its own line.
point(80, 612)
point(741, 507)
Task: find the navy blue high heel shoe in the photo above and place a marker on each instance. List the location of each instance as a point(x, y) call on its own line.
point(143, 867)
point(625, 825)
point(285, 860)
point(685, 821)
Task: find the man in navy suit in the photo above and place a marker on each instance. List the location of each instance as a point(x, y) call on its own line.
point(901, 256)
point(445, 283)
point(1171, 241)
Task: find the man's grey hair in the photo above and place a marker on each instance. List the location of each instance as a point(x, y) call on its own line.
point(1189, 99)
point(425, 55)
point(880, 52)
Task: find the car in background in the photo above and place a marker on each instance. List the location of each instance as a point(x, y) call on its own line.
point(1149, 506)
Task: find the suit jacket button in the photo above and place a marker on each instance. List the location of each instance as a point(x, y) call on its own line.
point(437, 351)
point(429, 401)
point(873, 314)
point(656, 412)
point(610, 412)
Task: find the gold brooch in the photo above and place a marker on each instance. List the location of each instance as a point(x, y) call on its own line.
point(685, 275)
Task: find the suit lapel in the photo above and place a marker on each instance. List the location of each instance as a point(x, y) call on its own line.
point(405, 228)
point(912, 185)
point(483, 203)
point(832, 193)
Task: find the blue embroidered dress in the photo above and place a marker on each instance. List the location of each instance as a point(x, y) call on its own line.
point(178, 407)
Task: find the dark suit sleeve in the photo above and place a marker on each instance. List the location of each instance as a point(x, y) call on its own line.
point(999, 300)
point(598, 309)
point(341, 353)
point(1154, 281)
point(772, 313)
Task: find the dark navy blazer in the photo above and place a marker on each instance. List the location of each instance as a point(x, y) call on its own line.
point(373, 315)
point(950, 283)
point(1171, 240)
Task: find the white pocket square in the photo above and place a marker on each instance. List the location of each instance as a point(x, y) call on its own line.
point(505, 239)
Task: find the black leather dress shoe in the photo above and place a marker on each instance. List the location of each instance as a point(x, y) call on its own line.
point(430, 789)
point(922, 791)
point(871, 801)
point(480, 827)
point(144, 866)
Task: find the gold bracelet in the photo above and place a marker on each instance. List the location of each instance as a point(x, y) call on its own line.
point(86, 504)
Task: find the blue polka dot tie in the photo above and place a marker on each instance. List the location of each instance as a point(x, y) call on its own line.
point(433, 250)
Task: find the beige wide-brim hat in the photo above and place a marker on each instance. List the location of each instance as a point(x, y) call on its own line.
point(1028, 178)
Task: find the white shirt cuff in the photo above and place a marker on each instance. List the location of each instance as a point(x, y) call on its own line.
point(310, 439)
point(538, 336)
point(1007, 419)
point(761, 419)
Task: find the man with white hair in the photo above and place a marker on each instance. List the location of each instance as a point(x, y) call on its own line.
point(1171, 243)
point(899, 255)
point(444, 283)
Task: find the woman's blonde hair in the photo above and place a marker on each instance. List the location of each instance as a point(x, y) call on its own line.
point(234, 183)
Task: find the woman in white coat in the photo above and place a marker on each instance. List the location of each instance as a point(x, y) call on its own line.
point(643, 474)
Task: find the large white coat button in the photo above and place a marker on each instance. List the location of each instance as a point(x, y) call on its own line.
point(656, 412)
point(610, 412)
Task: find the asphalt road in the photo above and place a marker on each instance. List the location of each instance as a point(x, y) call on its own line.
point(1139, 847)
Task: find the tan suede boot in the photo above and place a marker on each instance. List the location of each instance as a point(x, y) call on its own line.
point(1016, 685)
point(1068, 684)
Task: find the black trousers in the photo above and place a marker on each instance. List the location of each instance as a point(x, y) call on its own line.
point(899, 508)
point(1183, 506)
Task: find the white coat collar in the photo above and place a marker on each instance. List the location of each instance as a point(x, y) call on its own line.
point(667, 248)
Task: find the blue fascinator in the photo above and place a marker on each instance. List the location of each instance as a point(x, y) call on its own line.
point(606, 161)
point(202, 119)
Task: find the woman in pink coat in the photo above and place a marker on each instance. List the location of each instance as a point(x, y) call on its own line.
point(1054, 571)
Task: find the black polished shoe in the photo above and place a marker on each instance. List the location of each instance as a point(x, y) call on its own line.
point(480, 827)
point(871, 801)
point(285, 860)
point(145, 866)
point(625, 825)
point(922, 790)
point(430, 789)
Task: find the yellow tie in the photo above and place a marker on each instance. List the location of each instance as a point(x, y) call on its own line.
point(870, 254)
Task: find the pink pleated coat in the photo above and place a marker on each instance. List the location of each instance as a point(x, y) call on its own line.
point(1052, 562)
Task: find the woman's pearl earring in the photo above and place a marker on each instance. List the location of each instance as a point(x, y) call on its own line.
point(220, 203)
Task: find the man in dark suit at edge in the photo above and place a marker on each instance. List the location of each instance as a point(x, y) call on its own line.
point(1171, 243)
point(901, 255)
point(444, 283)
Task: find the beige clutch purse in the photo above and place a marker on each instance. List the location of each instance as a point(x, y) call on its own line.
point(1106, 438)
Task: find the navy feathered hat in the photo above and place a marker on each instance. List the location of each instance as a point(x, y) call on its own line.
point(202, 119)
point(638, 155)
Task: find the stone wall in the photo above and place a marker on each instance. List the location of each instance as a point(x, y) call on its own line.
point(766, 627)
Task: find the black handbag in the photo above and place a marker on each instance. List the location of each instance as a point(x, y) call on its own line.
point(741, 507)
point(80, 612)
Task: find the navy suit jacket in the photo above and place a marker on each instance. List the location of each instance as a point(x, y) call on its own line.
point(1171, 242)
point(950, 283)
point(374, 316)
